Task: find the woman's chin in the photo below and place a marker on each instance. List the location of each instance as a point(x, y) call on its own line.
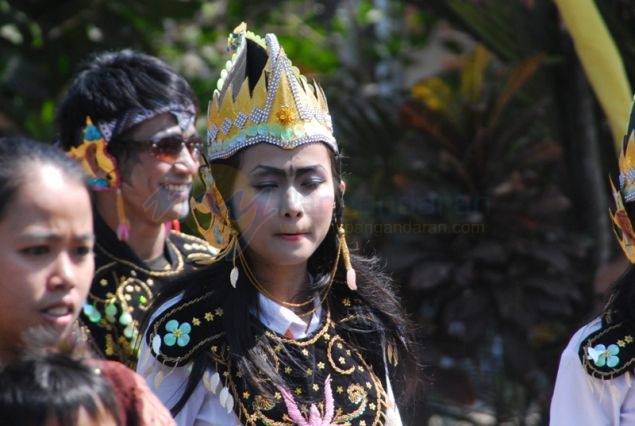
point(44, 336)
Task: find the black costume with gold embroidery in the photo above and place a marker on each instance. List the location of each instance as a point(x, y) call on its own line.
point(123, 287)
point(610, 351)
point(325, 374)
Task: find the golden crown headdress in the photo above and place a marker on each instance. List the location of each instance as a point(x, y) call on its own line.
point(622, 223)
point(262, 97)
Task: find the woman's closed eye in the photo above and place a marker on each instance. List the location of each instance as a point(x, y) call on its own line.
point(36, 250)
point(312, 183)
point(265, 186)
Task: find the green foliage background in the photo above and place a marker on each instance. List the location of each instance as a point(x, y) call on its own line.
point(502, 114)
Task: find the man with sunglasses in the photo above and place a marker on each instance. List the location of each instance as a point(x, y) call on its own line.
point(130, 120)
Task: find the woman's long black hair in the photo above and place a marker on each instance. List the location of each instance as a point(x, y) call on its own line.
point(383, 316)
point(620, 306)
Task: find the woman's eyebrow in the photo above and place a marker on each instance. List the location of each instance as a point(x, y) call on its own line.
point(263, 170)
point(54, 237)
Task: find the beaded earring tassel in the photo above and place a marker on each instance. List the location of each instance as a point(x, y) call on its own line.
point(351, 276)
point(233, 275)
point(123, 228)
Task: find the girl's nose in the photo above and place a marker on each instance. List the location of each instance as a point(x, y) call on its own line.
point(292, 203)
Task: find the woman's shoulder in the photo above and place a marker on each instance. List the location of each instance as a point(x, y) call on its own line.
point(123, 378)
point(184, 326)
point(195, 249)
point(583, 332)
point(137, 403)
point(606, 350)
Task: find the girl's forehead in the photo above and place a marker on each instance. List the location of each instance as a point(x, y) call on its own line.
point(274, 156)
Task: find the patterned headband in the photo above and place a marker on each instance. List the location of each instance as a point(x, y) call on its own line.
point(185, 114)
point(92, 154)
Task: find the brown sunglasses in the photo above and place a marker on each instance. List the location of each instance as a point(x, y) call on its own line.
point(168, 148)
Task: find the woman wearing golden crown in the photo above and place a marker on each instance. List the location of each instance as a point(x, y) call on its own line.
point(129, 120)
point(289, 328)
point(595, 377)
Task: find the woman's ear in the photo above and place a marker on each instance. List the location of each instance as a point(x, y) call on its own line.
point(342, 187)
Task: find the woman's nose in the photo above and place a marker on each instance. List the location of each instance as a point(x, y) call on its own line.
point(292, 203)
point(64, 272)
point(187, 161)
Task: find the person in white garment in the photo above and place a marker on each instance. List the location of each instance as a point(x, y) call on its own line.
point(289, 327)
point(594, 385)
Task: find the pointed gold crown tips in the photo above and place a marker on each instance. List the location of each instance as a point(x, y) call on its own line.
point(623, 226)
point(279, 107)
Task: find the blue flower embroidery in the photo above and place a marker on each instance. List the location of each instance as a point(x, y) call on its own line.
point(178, 334)
point(603, 356)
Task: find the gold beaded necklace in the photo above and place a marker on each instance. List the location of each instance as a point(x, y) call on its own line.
point(293, 306)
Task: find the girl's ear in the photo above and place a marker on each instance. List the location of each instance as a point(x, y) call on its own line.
point(342, 187)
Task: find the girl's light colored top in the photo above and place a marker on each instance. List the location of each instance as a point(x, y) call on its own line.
point(583, 400)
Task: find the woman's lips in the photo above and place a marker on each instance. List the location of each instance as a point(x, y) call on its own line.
point(177, 191)
point(292, 237)
point(59, 315)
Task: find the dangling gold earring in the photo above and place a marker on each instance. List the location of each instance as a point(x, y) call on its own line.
point(123, 228)
point(351, 276)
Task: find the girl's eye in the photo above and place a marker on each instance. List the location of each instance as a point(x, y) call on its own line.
point(84, 251)
point(313, 183)
point(264, 186)
point(36, 250)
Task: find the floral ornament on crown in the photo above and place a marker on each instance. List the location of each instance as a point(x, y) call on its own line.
point(96, 162)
